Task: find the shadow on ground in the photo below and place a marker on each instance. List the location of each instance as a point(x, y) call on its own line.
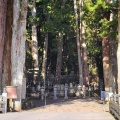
point(33, 103)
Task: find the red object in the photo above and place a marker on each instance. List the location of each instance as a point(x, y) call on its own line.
point(11, 92)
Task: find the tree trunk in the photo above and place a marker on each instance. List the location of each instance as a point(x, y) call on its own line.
point(84, 58)
point(3, 8)
point(105, 54)
point(113, 58)
point(18, 47)
point(34, 45)
point(59, 54)
point(78, 46)
point(113, 65)
point(44, 63)
point(6, 79)
point(59, 58)
point(84, 49)
point(118, 51)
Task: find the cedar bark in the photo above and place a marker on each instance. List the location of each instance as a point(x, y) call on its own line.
point(6, 79)
point(113, 57)
point(60, 50)
point(118, 51)
point(85, 68)
point(84, 59)
point(3, 8)
point(44, 64)
point(113, 65)
point(78, 46)
point(18, 47)
point(59, 58)
point(106, 61)
point(34, 46)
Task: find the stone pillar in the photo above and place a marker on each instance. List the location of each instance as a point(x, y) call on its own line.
point(58, 89)
point(110, 89)
point(71, 89)
point(89, 90)
point(33, 89)
point(5, 100)
point(66, 91)
point(79, 90)
point(84, 91)
point(42, 93)
point(38, 87)
point(62, 88)
point(55, 92)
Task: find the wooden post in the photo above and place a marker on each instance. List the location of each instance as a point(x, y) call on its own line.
point(11, 94)
point(119, 105)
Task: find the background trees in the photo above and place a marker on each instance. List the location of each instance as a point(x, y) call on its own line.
point(97, 32)
point(100, 29)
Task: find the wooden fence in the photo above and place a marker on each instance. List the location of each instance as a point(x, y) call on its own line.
point(114, 105)
point(3, 102)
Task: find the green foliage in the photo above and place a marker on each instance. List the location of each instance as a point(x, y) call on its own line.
point(97, 20)
point(52, 19)
point(29, 60)
point(98, 14)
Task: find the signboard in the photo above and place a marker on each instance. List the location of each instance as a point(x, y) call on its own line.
point(102, 95)
point(11, 92)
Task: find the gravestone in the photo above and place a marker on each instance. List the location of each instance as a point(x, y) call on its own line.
point(66, 92)
point(24, 88)
point(38, 87)
point(78, 93)
point(42, 93)
point(55, 92)
point(71, 89)
point(58, 89)
point(84, 91)
point(58, 86)
point(62, 87)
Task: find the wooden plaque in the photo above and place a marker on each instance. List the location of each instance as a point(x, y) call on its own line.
point(11, 92)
